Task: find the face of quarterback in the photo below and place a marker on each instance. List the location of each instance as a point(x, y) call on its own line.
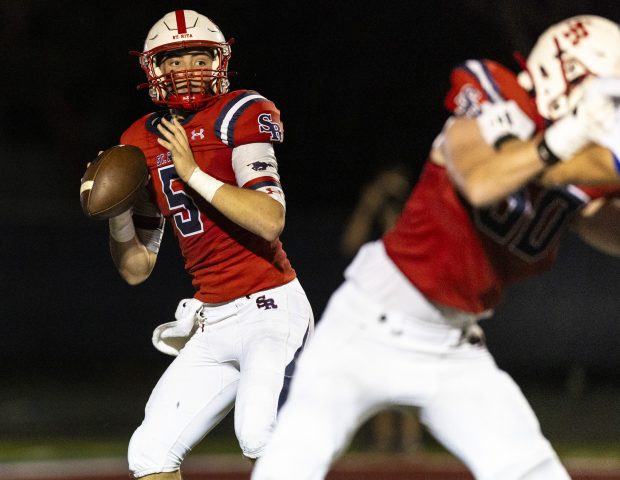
point(188, 72)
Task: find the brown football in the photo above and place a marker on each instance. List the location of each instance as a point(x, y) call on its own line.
point(112, 181)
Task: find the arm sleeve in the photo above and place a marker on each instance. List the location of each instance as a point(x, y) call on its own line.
point(148, 221)
point(256, 167)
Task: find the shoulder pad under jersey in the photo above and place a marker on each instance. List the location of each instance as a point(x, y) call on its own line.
point(135, 131)
point(248, 118)
point(474, 82)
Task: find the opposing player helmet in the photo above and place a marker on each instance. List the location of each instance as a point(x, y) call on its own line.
point(188, 31)
point(565, 55)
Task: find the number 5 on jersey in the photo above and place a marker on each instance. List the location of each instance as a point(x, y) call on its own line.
point(185, 212)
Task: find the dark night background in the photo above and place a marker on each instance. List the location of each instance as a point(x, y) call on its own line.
point(360, 86)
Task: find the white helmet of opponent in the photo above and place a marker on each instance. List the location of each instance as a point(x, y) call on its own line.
point(567, 54)
point(190, 31)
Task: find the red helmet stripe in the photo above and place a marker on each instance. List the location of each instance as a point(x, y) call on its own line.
point(181, 28)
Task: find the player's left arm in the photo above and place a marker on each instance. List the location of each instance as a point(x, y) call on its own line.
point(253, 210)
point(599, 225)
point(482, 172)
point(135, 238)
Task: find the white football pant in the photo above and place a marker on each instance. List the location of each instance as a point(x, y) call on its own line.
point(364, 358)
point(239, 358)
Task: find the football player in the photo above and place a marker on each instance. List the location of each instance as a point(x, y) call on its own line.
point(214, 178)
point(496, 195)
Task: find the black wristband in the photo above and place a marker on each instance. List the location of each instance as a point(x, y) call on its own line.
point(545, 154)
point(503, 139)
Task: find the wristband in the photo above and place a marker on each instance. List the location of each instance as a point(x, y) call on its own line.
point(121, 227)
point(499, 143)
point(204, 184)
point(545, 154)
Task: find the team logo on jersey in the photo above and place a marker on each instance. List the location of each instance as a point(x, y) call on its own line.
point(163, 159)
point(267, 125)
point(198, 134)
point(261, 166)
point(468, 102)
point(266, 303)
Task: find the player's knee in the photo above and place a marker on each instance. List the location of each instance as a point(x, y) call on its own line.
point(255, 422)
point(146, 455)
point(253, 434)
point(253, 444)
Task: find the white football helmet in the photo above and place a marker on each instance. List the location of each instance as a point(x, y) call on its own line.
point(190, 31)
point(565, 55)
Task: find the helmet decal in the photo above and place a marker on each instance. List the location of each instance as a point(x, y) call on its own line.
point(565, 56)
point(180, 15)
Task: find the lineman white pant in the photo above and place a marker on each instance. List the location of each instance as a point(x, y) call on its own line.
point(239, 357)
point(363, 358)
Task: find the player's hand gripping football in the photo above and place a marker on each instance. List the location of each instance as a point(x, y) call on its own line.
point(177, 142)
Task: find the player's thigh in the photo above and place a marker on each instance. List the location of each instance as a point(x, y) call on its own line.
point(481, 415)
point(272, 340)
point(326, 405)
point(192, 396)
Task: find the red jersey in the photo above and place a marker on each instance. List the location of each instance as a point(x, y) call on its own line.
point(225, 260)
point(464, 257)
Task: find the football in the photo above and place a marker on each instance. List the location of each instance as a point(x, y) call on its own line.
point(112, 181)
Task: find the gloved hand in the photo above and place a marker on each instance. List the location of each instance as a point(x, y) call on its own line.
point(503, 120)
point(592, 122)
point(605, 131)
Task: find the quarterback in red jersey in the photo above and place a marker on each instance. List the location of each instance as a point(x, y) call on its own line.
point(214, 178)
point(496, 195)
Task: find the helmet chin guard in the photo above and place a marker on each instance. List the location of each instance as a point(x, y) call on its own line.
point(192, 89)
point(567, 54)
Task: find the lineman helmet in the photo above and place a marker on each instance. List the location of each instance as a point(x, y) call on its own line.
point(565, 55)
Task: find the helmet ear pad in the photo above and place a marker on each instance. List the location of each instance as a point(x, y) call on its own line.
point(568, 53)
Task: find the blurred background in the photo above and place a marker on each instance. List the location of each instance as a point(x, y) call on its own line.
point(360, 86)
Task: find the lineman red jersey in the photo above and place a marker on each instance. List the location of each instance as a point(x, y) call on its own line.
point(465, 257)
point(224, 260)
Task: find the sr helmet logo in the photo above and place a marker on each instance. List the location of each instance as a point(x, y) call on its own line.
point(576, 31)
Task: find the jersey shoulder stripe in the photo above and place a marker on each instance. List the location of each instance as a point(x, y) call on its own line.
point(227, 119)
point(481, 72)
